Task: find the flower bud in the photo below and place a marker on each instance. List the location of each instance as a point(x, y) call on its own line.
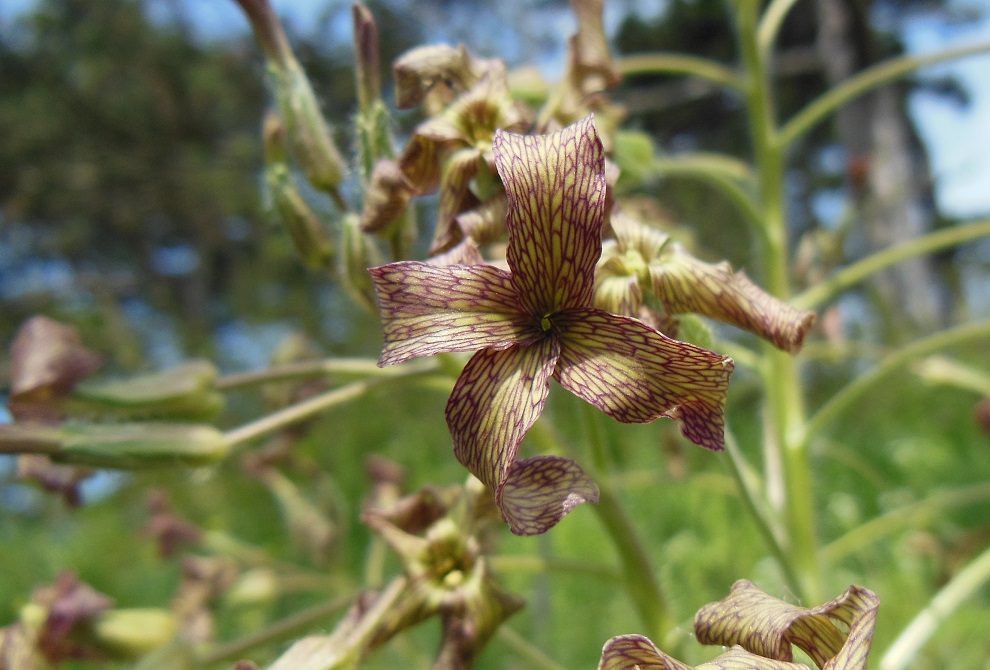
point(358, 253)
point(123, 446)
point(367, 67)
point(184, 392)
point(311, 238)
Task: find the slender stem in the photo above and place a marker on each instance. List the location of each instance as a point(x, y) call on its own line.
point(533, 656)
point(770, 24)
point(864, 383)
point(359, 366)
point(868, 79)
point(671, 63)
point(276, 632)
point(319, 403)
point(829, 288)
point(881, 526)
point(964, 585)
point(785, 408)
point(747, 483)
point(638, 572)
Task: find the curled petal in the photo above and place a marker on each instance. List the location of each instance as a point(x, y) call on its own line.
point(635, 652)
point(540, 491)
point(424, 68)
point(686, 284)
point(556, 192)
point(591, 64)
point(496, 400)
point(388, 195)
point(615, 290)
point(632, 235)
point(767, 626)
point(429, 309)
point(455, 197)
point(635, 374)
point(420, 164)
point(486, 223)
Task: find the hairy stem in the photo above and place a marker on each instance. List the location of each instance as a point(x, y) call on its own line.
point(785, 408)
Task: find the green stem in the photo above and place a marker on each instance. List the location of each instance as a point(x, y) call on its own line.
point(881, 526)
point(671, 63)
point(824, 291)
point(747, 481)
point(868, 79)
point(332, 366)
point(864, 383)
point(638, 572)
point(770, 24)
point(280, 630)
point(307, 409)
point(964, 585)
point(785, 408)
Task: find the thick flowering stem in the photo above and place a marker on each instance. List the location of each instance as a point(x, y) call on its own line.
point(785, 410)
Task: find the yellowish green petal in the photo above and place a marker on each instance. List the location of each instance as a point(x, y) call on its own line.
point(428, 309)
point(556, 190)
point(540, 491)
point(635, 652)
point(685, 284)
point(635, 375)
point(496, 400)
point(836, 635)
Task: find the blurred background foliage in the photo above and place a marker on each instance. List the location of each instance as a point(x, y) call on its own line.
point(130, 206)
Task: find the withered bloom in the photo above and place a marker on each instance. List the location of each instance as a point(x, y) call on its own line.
point(536, 322)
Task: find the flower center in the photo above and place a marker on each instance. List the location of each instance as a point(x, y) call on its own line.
point(545, 324)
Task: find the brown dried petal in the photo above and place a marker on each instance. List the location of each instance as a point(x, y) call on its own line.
point(387, 196)
point(61, 479)
point(47, 360)
point(592, 68)
point(418, 71)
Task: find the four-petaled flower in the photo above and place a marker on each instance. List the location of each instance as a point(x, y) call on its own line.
point(537, 322)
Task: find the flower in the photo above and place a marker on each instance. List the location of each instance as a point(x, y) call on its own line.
point(642, 258)
point(536, 322)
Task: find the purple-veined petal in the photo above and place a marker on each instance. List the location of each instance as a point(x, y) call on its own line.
point(429, 309)
point(540, 491)
point(767, 626)
point(556, 192)
point(635, 652)
point(635, 374)
point(455, 197)
point(685, 284)
point(496, 400)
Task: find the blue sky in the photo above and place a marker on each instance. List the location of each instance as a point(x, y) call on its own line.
point(958, 139)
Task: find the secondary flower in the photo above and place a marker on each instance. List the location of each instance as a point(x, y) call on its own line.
point(536, 322)
point(643, 259)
